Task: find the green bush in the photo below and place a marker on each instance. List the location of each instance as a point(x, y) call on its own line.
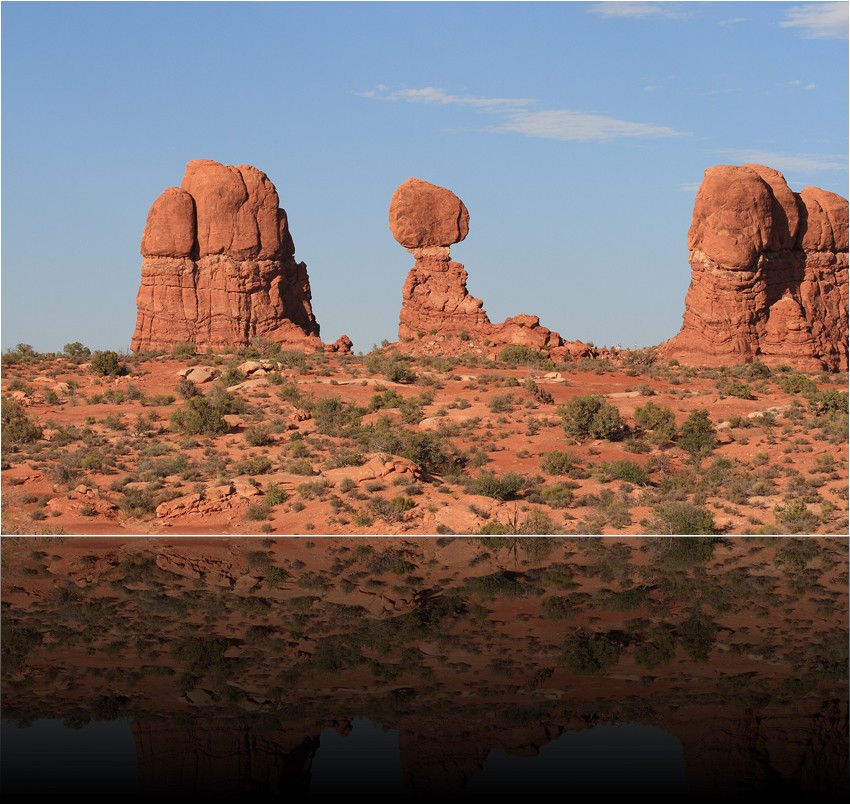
point(523, 356)
point(275, 495)
point(203, 415)
point(628, 471)
point(697, 435)
point(590, 417)
point(683, 518)
point(656, 418)
point(697, 636)
point(183, 350)
point(797, 384)
point(334, 417)
point(559, 463)
point(107, 364)
point(557, 608)
point(590, 653)
point(76, 351)
point(393, 366)
point(737, 389)
point(558, 495)
point(795, 517)
point(823, 402)
point(17, 426)
point(658, 648)
point(489, 484)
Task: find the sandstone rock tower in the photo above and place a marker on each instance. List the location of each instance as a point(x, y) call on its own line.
point(769, 273)
point(219, 266)
point(427, 220)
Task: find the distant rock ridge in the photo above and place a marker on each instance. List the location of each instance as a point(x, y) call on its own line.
point(219, 267)
point(769, 274)
point(427, 220)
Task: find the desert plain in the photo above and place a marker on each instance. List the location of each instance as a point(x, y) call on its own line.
point(497, 441)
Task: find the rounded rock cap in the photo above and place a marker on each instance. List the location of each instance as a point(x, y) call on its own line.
point(423, 214)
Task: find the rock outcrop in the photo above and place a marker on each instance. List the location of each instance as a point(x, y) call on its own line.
point(769, 274)
point(219, 267)
point(427, 220)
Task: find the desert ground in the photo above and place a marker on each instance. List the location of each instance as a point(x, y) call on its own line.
point(432, 437)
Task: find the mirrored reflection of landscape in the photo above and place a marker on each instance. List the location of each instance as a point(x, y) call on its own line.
point(297, 668)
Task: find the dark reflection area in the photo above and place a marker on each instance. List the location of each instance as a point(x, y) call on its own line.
point(400, 668)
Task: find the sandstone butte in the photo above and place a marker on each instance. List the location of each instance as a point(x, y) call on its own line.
point(219, 267)
point(427, 220)
point(769, 274)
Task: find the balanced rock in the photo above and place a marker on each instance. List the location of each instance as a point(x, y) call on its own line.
point(219, 266)
point(769, 274)
point(427, 220)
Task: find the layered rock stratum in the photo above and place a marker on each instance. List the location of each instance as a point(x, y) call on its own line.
point(427, 220)
point(219, 267)
point(769, 273)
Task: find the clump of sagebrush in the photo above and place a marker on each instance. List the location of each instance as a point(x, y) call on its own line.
point(18, 428)
point(590, 417)
point(107, 364)
point(204, 415)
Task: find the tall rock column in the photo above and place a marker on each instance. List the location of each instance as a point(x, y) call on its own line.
point(769, 273)
point(219, 266)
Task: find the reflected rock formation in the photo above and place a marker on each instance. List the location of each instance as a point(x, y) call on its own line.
point(231, 656)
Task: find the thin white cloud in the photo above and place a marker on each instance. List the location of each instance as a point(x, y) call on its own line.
point(813, 85)
point(819, 20)
point(562, 124)
point(437, 96)
point(787, 163)
point(631, 10)
point(519, 116)
point(733, 21)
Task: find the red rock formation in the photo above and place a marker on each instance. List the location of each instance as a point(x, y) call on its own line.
point(769, 273)
point(427, 220)
point(219, 268)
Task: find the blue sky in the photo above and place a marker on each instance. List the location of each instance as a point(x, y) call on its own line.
point(576, 134)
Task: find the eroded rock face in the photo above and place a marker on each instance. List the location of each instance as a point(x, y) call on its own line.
point(769, 273)
point(219, 268)
point(427, 220)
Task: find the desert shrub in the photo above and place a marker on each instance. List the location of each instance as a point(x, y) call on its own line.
point(17, 427)
point(737, 389)
point(659, 647)
point(697, 435)
point(590, 653)
point(682, 518)
point(501, 403)
point(657, 418)
point(334, 417)
point(590, 417)
point(76, 351)
point(253, 466)
point(387, 399)
point(797, 384)
point(499, 584)
point(393, 366)
point(558, 495)
point(795, 517)
point(831, 399)
point(107, 364)
point(426, 449)
point(525, 356)
point(201, 655)
point(200, 416)
point(301, 467)
point(259, 436)
point(186, 388)
point(628, 471)
point(258, 511)
point(697, 635)
point(392, 510)
point(559, 463)
point(557, 608)
point(183, 350)
point(275, 495)
point(489, 484)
